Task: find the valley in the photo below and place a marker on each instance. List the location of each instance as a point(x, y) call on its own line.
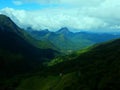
point(61, 60)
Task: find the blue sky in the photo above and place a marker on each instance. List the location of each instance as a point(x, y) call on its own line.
point(90, 15)
point(25, 6)
point(5, 3)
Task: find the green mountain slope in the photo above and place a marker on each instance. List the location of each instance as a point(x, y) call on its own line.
point(95, 69)
point(18, 53)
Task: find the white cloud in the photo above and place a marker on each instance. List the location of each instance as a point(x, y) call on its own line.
point(86, 15)
point(53, 19)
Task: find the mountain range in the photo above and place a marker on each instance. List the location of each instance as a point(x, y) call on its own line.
point(28, 63)
point(67, 41)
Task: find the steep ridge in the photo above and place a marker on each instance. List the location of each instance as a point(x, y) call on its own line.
point(17, 53)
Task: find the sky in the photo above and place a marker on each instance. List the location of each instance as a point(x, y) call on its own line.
point(77, 15)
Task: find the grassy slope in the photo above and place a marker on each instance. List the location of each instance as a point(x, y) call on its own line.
point(97, 69)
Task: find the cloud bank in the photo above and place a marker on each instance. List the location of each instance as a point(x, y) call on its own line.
point(85, 15)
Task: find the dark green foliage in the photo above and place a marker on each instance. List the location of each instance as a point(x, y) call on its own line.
point(18, 54)
point(95, 69)
point(99, 67)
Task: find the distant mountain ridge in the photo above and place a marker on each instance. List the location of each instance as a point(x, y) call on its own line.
point(64, 31)
point(68, 41)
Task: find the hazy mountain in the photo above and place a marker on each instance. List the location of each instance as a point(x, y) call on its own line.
point(65, 31)
point(68, 41)
point(57, 38)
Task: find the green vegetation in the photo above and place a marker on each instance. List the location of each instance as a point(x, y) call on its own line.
point(55, 82)
point(18, 53)
point(96, 69)
point(24, 66)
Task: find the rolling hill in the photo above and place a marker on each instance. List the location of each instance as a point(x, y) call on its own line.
point(94, 69)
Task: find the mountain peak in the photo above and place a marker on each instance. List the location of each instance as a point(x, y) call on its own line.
point(46, 30)
point(5, 20)
point(6, 24)
point(63, 30)
point(3, 16)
